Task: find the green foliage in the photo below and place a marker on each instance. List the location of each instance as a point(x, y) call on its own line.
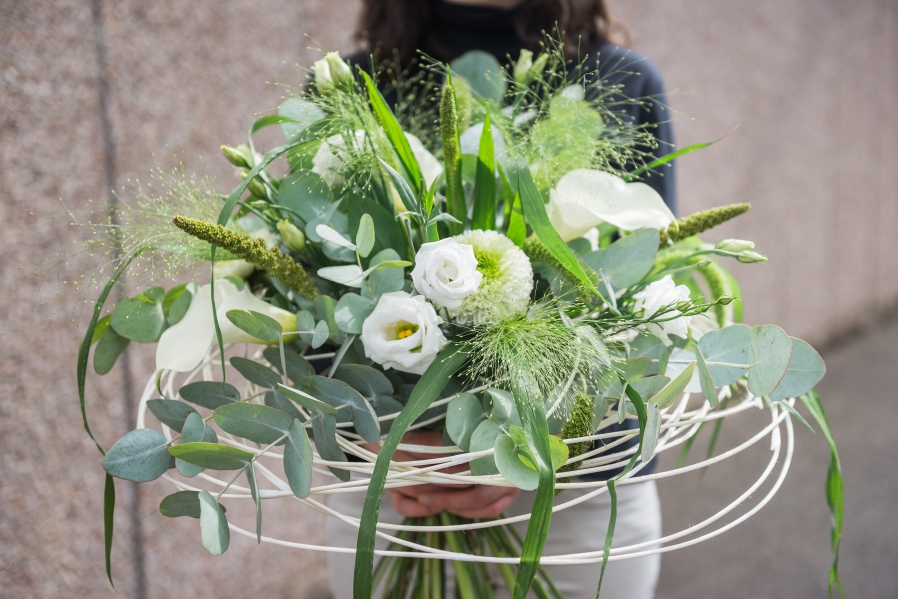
point(351, 311)
point(139, 319)
point(213, 525)
point(626, 261)
point(484, 216)
point(700, 222)
point(483, 74)
point(110, 346)
point(194, 430)
point(256, 373)
point(182, 503)
point(455, 198)
point(463, 415)
point(209, 394)
point(298, 460)
point(170, 412)
point(340, 395)
point(255, 422)
point(212, 455)
point(324, 431)
point(727, 346)
point(806, 369)
point(260, 326)
point(139, 456)
point(769, 354)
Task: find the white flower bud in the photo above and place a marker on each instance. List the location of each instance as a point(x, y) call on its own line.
point(446, 272)
point(340, 72)
point(324, 83)
point(522, 67)
point(403, 332)
point(292, 236)
point(662, 294)
point(735, 245)
point(751, 257)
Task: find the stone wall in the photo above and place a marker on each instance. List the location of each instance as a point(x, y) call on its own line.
point(90, 91)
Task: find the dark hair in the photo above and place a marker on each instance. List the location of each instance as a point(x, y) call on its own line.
point(397, 28)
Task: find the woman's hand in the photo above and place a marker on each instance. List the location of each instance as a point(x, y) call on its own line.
point(467, 501)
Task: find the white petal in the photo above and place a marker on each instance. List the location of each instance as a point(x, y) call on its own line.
point(590, 194)
point(431, 168)
point(183, 346)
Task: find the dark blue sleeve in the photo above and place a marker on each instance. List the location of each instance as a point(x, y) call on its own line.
point(641, 80)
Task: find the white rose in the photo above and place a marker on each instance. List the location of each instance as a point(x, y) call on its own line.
point(585, 198)
point(661, 294)
point(446, 272)
point(403, 333)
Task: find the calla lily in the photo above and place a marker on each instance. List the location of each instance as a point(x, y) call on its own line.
point(585, 198)
point(183, 346)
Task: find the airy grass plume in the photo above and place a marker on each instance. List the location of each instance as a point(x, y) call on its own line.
point(252, 250)
point(449, 132)
point(699, 222)
point(562, 357)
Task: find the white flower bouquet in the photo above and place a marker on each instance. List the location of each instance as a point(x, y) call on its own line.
point(503, 277)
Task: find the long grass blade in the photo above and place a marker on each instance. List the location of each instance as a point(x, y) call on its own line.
point(669, 158)
point(484, 215)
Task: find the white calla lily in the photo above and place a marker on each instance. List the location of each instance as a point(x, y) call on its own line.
point(431, 168)
point(183, 346)
point(585, 198)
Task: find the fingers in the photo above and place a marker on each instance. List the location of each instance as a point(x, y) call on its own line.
point(416, 491)
point(478, 499)
point(409, 507)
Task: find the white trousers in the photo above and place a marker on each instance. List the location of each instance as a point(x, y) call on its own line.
point(574, 530)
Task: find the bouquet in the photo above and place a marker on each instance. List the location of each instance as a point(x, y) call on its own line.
point(482, 260)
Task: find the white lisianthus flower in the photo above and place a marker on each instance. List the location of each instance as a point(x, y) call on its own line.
point(446, 272)
point(661, 294)
point(183, 346)
point(585, 198)
point(507, 279)
point(403, 332)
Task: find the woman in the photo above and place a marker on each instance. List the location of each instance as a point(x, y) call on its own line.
point(446, 29)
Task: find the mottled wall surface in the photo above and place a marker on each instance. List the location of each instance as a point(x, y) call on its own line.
point(89, 90)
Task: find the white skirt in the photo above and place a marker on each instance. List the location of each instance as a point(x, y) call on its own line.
point(577, 529)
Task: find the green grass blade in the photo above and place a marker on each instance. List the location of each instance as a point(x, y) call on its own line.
point(426, 391)
point(835, 488)
point(108, 512)
point(273, 119)
point(394, 133)
point(484, 216)
point(669, 158)
point(536, 428)
point(535, 211)
point(84, 350)
point(517, 228)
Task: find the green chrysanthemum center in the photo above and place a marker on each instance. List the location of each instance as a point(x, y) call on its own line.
point(487, 265)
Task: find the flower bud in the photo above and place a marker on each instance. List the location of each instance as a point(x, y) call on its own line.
point(340, 73)
point(237, 156)
point(522, 67)
point(292, 236)
point(751, 257)
point(735, 245)
point(323, 81)
point(539, 66)
point(255, 187)
point(726, 300)
point(684, 305)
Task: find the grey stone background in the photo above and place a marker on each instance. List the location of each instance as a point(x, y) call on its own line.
point(94, 93)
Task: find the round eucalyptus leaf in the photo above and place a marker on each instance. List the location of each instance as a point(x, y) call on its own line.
point(726, 353)
point(194, 430)
point(305, 324)
point(463, 415)
point(109, 348)
point(483, 73)
point(768, 354)
point(351, 311)
point(139, 320)
point(258, 325)
point(298, 460)
point(508, 461)
point(384, 280)
point(255, 422)
point(501, 406)
point(139, 456)
point(368, 381)
point(209, 394)
point(305, 113)
point(170, 412)
point(626, 261)
point(257, 374)
point(806, 369)
point(179, 306)
point(212, 455)
point(182, 503)
point(321, 334)
point(649, 386)
point(483, 438)
point(305, 193)
point(338, 394)
point(364, 239)
point(213, 525)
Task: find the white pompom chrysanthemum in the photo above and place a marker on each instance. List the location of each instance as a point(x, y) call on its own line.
point(507, 279)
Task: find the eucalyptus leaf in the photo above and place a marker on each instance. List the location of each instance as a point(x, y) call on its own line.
point(483, 73)
point(632, 369)
point(139, 320)
point(649, 386)
point(351, 312)
point(297, 366)
point(298, 460)
point(806, 369)
point(256, 373)
point(672, 391)
point(389, 231)
point(306, 194)
point(386, 280)
point(501, 407)
point(315, 406)
point(557, 447)
point(212, 455)
point(705, 378)
point(209, 394)
point(170, 412)
point(337, 394)
point(213, 525)
point(256, 324)
point(305, 324)
point(109, 348)
point(369, 382)
point(182, 503)
point(321, 334)
point(253, 485)
point(727, 346)
point(350, 275)
point(324, 430)
point(510, 465)
point(181, 304)
point(483, 438)
point(303, 113)
point(193, 431)
point(139, 456)
point(255, 422)
point(769, 354)
point(652, 431)
point(329, 234)
point(364, 239)
point(275, 399)
point(626, 261)
point(463, 415)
